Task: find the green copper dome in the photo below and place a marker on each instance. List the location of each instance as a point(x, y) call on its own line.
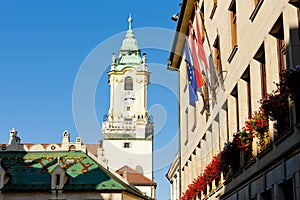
point(129, 43)
point(129, 53)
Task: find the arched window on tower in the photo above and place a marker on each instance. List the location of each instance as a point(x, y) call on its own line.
point(128, 83)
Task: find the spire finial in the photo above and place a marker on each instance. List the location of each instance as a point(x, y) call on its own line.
point(130, 21)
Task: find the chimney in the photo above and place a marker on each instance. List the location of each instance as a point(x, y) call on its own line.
point(125, 173)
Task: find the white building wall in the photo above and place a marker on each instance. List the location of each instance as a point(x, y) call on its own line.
point(221, 122)
point(148, 190)
point(139, 154)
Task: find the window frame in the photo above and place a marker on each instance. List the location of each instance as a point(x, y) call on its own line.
point(127, 145)
point(233, 29)
point(215, 4)
point(233, 20)
point(257, 6)
point(57, 180)
point(218, 58)
point(128, 83)
point(247, 79)
point(202, 22)
point(260, 57)
point(187, 126)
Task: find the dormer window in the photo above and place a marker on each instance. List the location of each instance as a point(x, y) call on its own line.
point(2, 175)
point(58, 178)
point(128, 85)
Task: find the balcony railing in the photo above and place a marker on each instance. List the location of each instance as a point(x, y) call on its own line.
point(125, 127)
point(118, 125)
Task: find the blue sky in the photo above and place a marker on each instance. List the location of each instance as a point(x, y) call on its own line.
point(45, 44)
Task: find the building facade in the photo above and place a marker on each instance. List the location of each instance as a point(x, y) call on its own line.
point(58, 171)
point(127, 128)
point(239, 135)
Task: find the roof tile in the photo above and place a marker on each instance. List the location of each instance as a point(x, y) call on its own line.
point(135, 178)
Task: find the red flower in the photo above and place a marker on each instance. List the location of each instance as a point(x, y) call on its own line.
point(275, 104)
point(200, 183)
point(213, 169)
point(258, 123)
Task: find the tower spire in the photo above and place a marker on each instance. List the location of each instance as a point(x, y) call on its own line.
point(130, 22)
point(129, 53)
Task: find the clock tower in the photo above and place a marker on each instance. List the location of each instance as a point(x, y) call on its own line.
point(127, 129)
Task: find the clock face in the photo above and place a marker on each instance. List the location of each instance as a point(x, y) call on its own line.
point(128, 98)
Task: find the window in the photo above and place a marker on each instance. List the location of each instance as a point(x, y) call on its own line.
point(127, 145)
point(260, 57)
point(186, 125)
point(246, 78)
point(299, 19)
point(57, 177)
point(234, 93)
point(257, 5)
point(233, 29)
point(256, 2)
point(233, 17)
point(128, 108)
point(295, 32)
point(128, 83)
point(263, 79)
point(297, 106)
point(295, 3)
point(283, 124)
point(281, 54)
point(215, 3)
point(266, 195)
point(205, 98)
point(57, 182)
point(202, 21)
point(287, 190)
point(194, 118)
point(195, 115)
point(227, 121)
point(278, 32)
point(217, 59)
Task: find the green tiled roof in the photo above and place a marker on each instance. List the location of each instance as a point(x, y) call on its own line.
point(32, 171)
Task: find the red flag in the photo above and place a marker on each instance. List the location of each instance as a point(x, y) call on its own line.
point(199, 78)
point(199, 40)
